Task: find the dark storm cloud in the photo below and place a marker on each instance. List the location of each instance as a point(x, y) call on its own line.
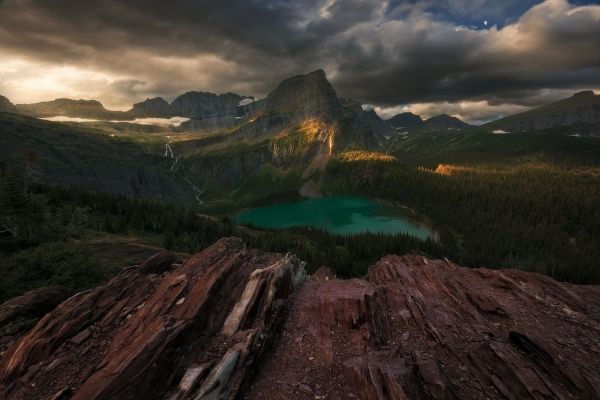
point(380, 52)
point(417, 59)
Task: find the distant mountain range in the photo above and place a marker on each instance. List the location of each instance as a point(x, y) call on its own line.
point(411, 123)
point(312, 96)
point(193, 105)
point(281, 140)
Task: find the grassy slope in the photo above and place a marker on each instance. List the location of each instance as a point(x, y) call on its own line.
point(559, 107)
point(87, 158)
point(481, 147)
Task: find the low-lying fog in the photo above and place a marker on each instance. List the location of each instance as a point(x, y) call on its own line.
point(174, 121)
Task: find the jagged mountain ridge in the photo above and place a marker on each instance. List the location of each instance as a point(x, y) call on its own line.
point(580, 113)
point(193, 105)
point(311, 100)
point(411, 123)
point(215, 325)
point(205, 105)
point(292, 103)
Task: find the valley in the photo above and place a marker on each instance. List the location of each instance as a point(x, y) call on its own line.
point(85, 202)
point(480, 192)
point(300, 200)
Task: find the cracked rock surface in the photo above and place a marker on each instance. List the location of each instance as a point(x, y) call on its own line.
point(232, 322)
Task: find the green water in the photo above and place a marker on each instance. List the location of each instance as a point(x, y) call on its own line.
point(341, 215)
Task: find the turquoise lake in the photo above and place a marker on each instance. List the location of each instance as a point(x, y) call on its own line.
point(342, 215)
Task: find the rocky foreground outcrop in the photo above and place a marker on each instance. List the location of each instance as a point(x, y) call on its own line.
point(413, 329)
point(423, 329)
point(158, 331)
point(21, 313)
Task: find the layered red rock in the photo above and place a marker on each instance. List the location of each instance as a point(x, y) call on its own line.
point(157, 330)
point(424, 329)
point(21, 313)
point(413, 329)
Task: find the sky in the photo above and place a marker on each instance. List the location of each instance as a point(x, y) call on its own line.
point(474, 59)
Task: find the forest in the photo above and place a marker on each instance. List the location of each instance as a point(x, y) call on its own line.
point(46, 229)
point(536, 216)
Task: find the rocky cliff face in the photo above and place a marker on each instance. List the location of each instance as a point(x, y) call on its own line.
point(152, 108)
point(204, 105)
point(304, 97)
point(6, 105)
point(363, 129)
point(310, 101)
point(414, 328)
point(580, 112)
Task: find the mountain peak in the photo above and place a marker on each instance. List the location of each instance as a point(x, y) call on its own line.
point(304, 96)
point(584, 93)
point(319, 73)
point(444, 122)
point(442, 117)
point(155, 107)
point(405, 120)
point(317, 76)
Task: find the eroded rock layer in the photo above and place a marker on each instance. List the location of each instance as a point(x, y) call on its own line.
point(422, 329)
point(231, 322)
point(158, 331)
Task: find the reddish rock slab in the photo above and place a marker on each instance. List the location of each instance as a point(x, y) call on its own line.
point(21, 313)
point(155, 331)
point(429, 329)
point(414, 329)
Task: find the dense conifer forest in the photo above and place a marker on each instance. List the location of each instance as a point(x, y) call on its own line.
point(47, 228)
point(536, 216)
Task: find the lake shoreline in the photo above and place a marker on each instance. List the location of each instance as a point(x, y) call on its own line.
point(343, 215)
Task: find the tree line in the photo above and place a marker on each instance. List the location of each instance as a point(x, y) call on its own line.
point(53, 222)
point(535, 216)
